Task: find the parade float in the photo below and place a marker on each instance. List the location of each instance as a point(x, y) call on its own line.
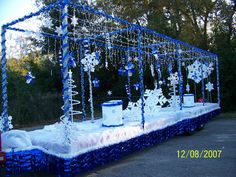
point(92, 39)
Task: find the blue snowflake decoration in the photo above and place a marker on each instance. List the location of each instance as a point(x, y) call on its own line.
point(164, 82)
point(130, 69)
point(136, 86)
point(29, 78)
point(96, 83)
point(122, 72)
point(72, 60)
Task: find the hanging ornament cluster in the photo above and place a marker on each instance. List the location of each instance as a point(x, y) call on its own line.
point(198, 71)
point(136, 86)
point(29, 78)
point(209, 87)
point(96, 82)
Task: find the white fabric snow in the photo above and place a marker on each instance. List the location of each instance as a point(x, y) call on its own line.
point(16, 139)
point(87, 136)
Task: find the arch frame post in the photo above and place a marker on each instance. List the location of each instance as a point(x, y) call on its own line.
point(4, 81)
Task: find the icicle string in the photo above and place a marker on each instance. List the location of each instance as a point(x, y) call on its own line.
point(141, 76)
point(82, 85)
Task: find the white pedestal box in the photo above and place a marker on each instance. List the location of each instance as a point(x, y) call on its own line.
point(188, 100)
point(112, 113)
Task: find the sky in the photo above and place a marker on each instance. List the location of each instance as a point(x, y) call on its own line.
point(14, 9)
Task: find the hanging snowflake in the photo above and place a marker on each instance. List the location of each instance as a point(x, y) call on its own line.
point(89, 62)
point(29, 77)
point(209, 68)
point(74, 20)
point(96, 83)
point(59, 30)
point(187, 87)
point(173, 78)
point(109, 92)
point(195, 71)
point(209, 87)
point(198, 71)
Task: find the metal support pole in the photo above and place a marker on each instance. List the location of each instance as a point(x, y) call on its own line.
point(4, 82)
point(141, 76)
point(65, 58)
point(218, 80)
point(178, 52)
point(203, 83)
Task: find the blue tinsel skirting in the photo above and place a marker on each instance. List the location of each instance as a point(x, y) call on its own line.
point(35, 160)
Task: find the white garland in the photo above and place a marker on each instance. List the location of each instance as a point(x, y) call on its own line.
point(2, 123)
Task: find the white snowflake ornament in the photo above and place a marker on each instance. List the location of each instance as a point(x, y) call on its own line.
point(209, 87)
point(198, 71)
point(59, 30)
point(74, 20)
point(195, 71)
point(109, 92)
point(89, 62)
point(173, 78)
